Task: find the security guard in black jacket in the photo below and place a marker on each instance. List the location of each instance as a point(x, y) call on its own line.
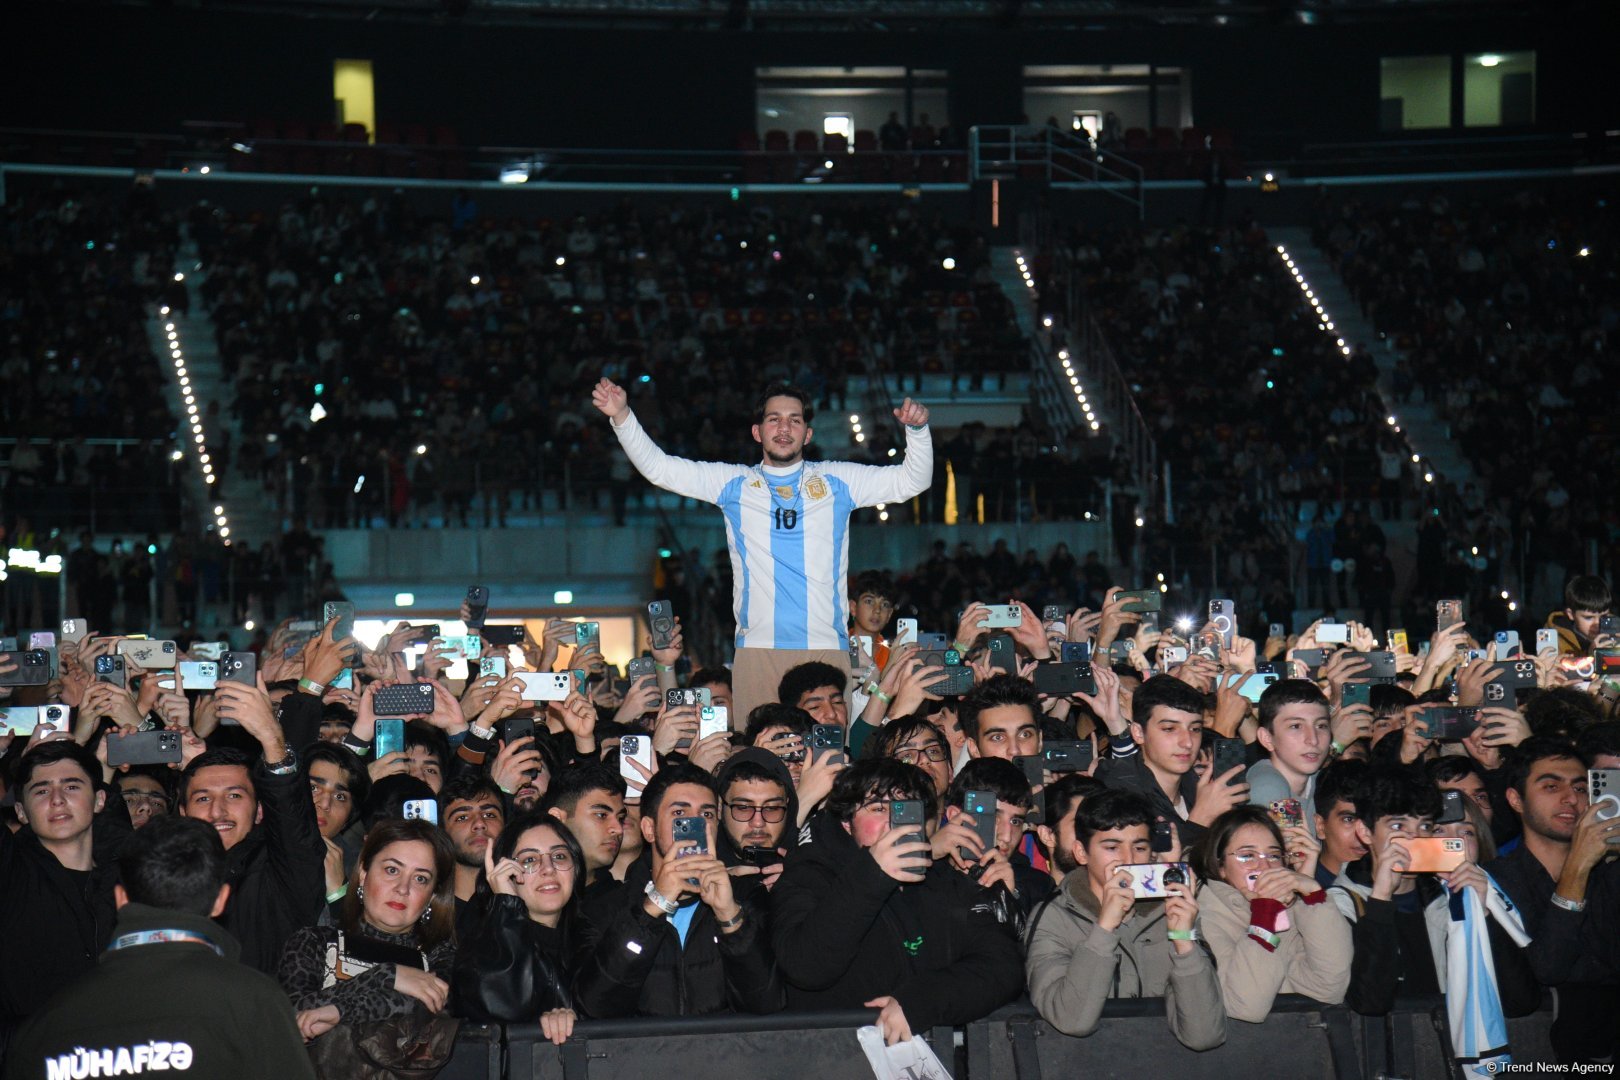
point(169, 992)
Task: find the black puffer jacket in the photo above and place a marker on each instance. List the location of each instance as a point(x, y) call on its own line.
point(846, 932)
point(276, 872)
point(510, 969)
point(640, 968)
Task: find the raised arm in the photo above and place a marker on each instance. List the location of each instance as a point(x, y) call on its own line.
point(873, 484)
point(694, 479)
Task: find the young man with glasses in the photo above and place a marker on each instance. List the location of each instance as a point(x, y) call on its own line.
point(916, 741)
point(148, 792)
point(760, 818)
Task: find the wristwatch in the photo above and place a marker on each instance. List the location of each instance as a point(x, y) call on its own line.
point(660, 901)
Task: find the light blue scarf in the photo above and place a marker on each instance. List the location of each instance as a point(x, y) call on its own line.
point(1479, 1038)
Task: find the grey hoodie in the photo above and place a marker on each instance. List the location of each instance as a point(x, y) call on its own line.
point(1073, 966)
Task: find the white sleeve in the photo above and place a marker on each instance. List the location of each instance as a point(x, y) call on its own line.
point(872, 484)
point(693, 479)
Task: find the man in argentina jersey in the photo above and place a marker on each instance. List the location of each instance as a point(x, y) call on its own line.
point(787, 526)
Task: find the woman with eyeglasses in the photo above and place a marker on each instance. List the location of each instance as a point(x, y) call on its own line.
point(518, 965)
point(1267, 920)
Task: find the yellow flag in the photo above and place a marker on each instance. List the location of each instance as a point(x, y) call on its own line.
point(950, 493)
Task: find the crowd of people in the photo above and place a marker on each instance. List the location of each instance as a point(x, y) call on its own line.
point(449, 355)
point(1502, 310)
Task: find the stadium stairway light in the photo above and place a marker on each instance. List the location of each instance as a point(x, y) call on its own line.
point(222, 521)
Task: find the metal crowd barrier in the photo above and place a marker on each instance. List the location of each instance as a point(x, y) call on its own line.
point(1300, 1039)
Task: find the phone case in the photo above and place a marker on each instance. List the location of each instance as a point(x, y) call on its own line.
point(981, 806)
point(662, 616)
point(1066, 756)
point(144, 748)
point(1287, 813)
point(390, 737)
point(1002, 616)
point(713, 720)
point(546, 685)
point(691, 835)
point(1140, 601)
point(34, 669)
point(198, 674)
point(1228, 755)
point(635, 748)
point(239, 667)
point(406, 699)
point(1148, 880)
point(1435, 854)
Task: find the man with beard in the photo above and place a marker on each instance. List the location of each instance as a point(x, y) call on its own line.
point(787, 528)
point(471, 812)
point(1056, 836)
point(590, 801)
point(758, 813)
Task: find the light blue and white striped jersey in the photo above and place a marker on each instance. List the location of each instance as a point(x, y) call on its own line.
point(788, 531)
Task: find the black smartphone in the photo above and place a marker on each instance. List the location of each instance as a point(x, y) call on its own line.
point(343, 612)
point(504, 634)
point(1313, 659)
point(691, 837)
point(517, 727)
point(827, 739)
point(1451, 808)
point(1066, 756)
point(958, 681)
point(1034, 766)
point(1003, 653)
point(1355, 693)
point(1162, 836)
point(1228, 755)
point(1380, 666)
point(159, 747)
point(1053, 613)
point(981, 806)
point(908, 814)
point(661, 614)
point(405, 699)
point(477, 605)
point(34, 669)
point(1074, 652)
point(754, 855)
point(1450, 723)
point(639, 666)
point(1062, 680)
point(1139, 601)
point(239, 667)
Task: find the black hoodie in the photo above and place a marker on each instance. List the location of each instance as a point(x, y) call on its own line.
point(777, 768)
point(846, 932)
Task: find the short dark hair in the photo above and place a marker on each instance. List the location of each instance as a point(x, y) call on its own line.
point(359, 779)
point(176, 863)
point(803, 678)
point(746, 769)
point(470, 787)
point(1396, 791)
point(49, 753)
point(166, 778)
point(224, 755)
point(1386, 699)
point(709, 676)
point(880, 778)
point(652, 797)
point(417, 733)
point(993, 693)
point(898, 732)
point(1287, 692)
point(335, 712)
point(1210, 851)
point(1562, 711)
point(1065, 789)
point(1166, 690)
point(571, 785)
point(773, 714)
point(784, 390)
point(993, 774)
point(1598, 739)
point(1521, 759)
point(389, 796)
point(1451, 769)
point(1337, 783)
point(1587, 592)
point(872, 583)
point(1112, 808)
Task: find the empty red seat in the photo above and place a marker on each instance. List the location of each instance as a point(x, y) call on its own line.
point(836, 143)
point(865, 141)
point(804, 142)
point(776, 141)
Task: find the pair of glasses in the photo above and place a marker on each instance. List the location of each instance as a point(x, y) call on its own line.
point(561, 861)
point(136, 798)
point(747, 811)
point(916, 755)
point(1247, 857)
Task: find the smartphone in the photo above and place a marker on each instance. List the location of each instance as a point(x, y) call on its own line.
point(1053, 615)
point(493, 665)
point(477, 605)
point(1608, 624)
point(1003, 653)
point(1397, 642)
point(109, 669)
point(1171, 655)
point(1074, 652)
point(404, 699)
point(1034, 766)
point(208, 650)
point(1313, 659)
point(691, 836)
point(343, 612)
point(504, 634)
point(1287, 813)
point(546, 685)
point(1451, 723)
point(927, 640)
point(1162, 837)
point(239, 667)
point(1148, 880)
point(1380, 666)
point(1355, 693)
point(148, 654)
point(1277, 630)
point(1062, 680)
point(158, 747)
point(637, 748)
point(827, 740)
point(390, 736)
point(661, 614)
point(1435, 854)
point(1138, 601)
point(1223, 613)
point(1207, 643)
point(1606, 661)
point(587, 633)
point(981, 806)
point(343, 680)
point(1002, 616)
point(639, 666)
point(1451, 808)
point(957, 682)
point(1335, 633)
point(514, 728)
point(19, 719)
point(1230, 754)
point(421, 810)
point(908, 814)
point(713, 720)
point(1546, 638)
point(905, 633)
point(1603, 786)
point(198, 674)
point(860, 648)
point(1066, 755)
point(1507, 644)
point(1447, 613)
point(699, 696)
point(1257, 684)
point(75, 630)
